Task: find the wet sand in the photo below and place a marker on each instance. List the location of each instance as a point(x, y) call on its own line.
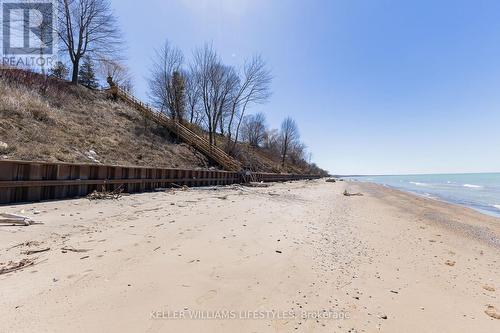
point(382, 262)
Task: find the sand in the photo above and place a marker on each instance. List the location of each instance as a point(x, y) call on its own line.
point(323, 262)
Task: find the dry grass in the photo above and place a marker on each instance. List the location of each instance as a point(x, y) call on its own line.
point(50, 120)
point(70, 124)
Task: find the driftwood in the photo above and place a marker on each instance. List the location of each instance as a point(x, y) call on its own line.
point(181, 187)
point(30, 252)
point(492, 312)
point(256, 185)
point(106, 195)
point(25, 244)
point(14, 219)
point(15, 266)
point(71, 249)
point(347, 194)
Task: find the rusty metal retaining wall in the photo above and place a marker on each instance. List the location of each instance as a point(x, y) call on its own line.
point(22, 181)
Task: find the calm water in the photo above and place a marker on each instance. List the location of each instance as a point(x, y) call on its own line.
point(479, 191)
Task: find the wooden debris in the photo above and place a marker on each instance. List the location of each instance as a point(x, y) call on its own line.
point(15, 219)
point(15, 266)
point(70, 249)
point(347, 194)
point(30, 252)
point(492, 312)
point(25, 244)
point(450, 263)
point(331, 180)
point(106, 195)
point(489, 288)
point(183, 187)
point(256, 184)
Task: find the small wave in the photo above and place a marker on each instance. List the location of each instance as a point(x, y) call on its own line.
point(472, 186)
point(497, 206)
point(419, 184)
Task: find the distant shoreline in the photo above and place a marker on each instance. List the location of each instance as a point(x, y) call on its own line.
point(472, 191)
point(485, 227)
point(483, 212)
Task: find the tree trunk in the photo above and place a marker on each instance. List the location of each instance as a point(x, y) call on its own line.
point(285, 148)
point(239, 124)
point(221, 126)
point(210, 134)
point(76, 67)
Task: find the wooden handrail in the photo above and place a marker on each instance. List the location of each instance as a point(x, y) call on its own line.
point(184, 133)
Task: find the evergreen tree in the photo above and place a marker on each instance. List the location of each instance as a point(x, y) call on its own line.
point(86, 75)
point(60, 71)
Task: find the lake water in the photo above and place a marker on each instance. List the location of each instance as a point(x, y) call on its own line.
point(480, 191)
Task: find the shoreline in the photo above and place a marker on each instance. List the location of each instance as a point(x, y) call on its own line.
point(386, 261)
point(488, 229)
point(490, 209)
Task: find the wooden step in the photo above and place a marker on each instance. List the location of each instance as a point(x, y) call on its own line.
point(185, 134)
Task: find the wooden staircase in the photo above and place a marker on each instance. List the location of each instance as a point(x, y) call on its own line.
point(201, 144)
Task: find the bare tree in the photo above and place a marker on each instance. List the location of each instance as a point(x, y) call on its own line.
point(117, 73)
point(254, 129)
point(216, 83)
point(289, 137)
point(255, 87)
point(272, 141)
point(162, 91)
point(297, 154)
point(193, 96)
point(87, 28)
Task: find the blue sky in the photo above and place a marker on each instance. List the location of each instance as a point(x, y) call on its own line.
point(376, 86)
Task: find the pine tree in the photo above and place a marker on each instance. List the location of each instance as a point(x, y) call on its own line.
point(60, 71)
point(86, 75)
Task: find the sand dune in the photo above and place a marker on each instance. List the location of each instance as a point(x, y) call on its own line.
point(292, 257)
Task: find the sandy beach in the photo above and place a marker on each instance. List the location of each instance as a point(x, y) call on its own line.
point(293, 257)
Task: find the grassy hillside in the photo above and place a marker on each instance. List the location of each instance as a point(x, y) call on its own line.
point(59, 122)
point(50, 120)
